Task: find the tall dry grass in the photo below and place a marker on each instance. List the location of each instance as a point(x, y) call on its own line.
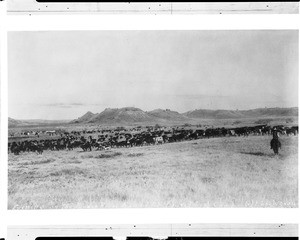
point(220, 172)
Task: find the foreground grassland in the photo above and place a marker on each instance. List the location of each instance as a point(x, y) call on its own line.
point(220, 172)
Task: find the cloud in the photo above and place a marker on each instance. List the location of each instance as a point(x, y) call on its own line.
point(63, 105)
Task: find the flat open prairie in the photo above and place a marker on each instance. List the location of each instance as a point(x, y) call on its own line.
point(216, 172)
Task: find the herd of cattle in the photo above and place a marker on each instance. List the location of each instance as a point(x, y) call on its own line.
point(113, 138)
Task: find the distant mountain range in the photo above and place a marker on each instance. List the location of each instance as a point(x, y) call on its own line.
point(236, 114)
point(131, 115)
point(136, 115)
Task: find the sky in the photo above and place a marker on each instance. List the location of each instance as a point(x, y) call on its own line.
point(63, 74)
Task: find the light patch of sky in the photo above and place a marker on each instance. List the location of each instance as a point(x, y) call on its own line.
point(62, 75)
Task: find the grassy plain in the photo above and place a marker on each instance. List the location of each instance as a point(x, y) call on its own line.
point(217, 172)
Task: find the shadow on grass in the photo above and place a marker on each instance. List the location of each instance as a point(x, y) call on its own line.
point(261, 154)
point(102, 155)
point(135, 154)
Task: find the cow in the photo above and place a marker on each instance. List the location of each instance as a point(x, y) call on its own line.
point(36, 147)
point(86, 146)
point(158, 140)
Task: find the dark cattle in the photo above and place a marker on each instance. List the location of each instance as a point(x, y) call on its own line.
point(138, 136)
point(15, 148)
point(86, 146)
point(292, 131)
point(35, 147)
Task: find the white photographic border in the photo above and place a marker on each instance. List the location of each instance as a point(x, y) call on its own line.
point(157, 231)
point(130, 215)
point(34, 7)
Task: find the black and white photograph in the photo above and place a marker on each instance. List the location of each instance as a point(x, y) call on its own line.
point(147, 119)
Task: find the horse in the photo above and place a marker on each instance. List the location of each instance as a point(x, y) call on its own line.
point(275, 143)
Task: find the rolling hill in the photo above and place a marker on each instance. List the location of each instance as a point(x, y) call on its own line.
point(34, 122)
point(84, 118)
point(13, 122)
point(237, 114)
point(167, 114)
point(121, 115)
